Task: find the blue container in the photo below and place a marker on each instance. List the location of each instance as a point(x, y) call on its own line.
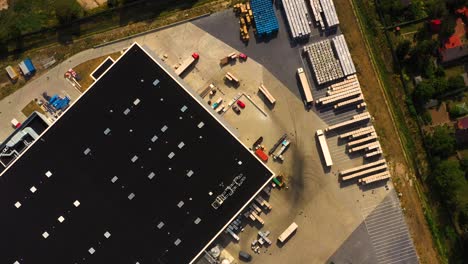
point(265, 17)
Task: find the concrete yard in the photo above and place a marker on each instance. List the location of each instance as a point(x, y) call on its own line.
point(339, 223)
point(330, 216)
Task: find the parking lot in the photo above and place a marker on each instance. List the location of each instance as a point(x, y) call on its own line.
point(332, 223)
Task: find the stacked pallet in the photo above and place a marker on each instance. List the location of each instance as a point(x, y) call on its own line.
point(325, 66)
point(324, 13)
point(265, 19)
point(344, 56)
point(297, 17)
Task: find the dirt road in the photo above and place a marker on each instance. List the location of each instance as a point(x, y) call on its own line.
point(373, 91)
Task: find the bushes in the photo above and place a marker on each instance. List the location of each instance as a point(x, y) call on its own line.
point(442, 142)
point(66, 11)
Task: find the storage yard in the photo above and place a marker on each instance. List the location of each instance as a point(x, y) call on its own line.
point(309, 126)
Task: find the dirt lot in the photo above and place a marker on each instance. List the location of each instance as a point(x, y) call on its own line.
point(31, 107)
point(387, 131)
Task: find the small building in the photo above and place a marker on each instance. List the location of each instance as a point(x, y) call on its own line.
point(462, 123)
point(417, 79)
point(431, 104)
point(461, 132)
point(12, 73)
point(27, 67)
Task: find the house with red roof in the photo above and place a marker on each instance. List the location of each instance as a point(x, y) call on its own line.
point(456, 46)
point(462, 123)
point(461, 133)
point(462, 11)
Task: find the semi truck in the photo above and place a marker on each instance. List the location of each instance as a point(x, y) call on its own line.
point(279, 153)
point(186, 63)
point(287, 233)
point(259, 152)
point(324, 147)
point(305, 86)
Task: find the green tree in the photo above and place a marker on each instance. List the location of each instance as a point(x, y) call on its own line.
point(463, 218)
point(448, 28)
point(442, 142)
point(456, 83)
point(66, 10)
point(448, 180)
point(416, 10)
point(403, 49)
point(436, 8)
point(421, 55)
point(440, 85)
point(423, 92)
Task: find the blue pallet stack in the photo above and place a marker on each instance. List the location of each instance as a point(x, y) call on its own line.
point(265, 17)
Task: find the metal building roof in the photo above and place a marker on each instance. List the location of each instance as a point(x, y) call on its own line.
point(130, 173)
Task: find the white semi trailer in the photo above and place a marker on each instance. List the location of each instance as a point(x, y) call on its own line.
point(324, 147)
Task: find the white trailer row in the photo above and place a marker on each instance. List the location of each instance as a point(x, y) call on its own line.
point(344, 56)
point(329, 12)
point(366, 147)
point(368, 129)
point(344, 86)
point(348, 79)
point(327, 9)
point(317, 13)
point(344, 94)
point(376, 177)
point(354, 119)
point(372, 137)
point(365, 166)
point(365, 172)
point(297, 16)
point(348, 86)
point(358, 99)
point(373, 153)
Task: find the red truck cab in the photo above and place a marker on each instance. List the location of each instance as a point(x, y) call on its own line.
point(261, 155)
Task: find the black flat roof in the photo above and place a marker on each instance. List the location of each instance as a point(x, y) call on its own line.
point(127, 175)
point(14, 144)
point(102, 68)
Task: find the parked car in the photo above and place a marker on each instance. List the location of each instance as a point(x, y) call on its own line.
point(236, 109)
point(242, 56)
point(244, 256)
point(240, 104)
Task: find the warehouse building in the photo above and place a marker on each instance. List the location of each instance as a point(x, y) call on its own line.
point(137, 170)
